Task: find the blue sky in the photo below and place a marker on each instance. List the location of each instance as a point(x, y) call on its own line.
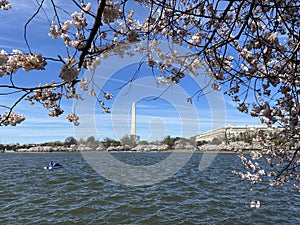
point(169, 115)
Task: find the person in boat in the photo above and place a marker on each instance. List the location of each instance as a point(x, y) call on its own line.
point(51, 164)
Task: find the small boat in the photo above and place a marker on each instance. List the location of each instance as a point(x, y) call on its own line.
point(53, 166)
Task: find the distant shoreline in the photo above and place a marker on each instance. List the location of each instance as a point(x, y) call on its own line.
point(164, 151)
point(179, 146)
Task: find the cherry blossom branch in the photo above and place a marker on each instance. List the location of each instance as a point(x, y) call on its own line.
point(94, 29)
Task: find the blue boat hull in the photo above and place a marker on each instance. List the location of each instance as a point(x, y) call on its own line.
point(53, 167)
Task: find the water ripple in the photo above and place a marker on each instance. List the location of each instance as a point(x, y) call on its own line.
point(76, 194)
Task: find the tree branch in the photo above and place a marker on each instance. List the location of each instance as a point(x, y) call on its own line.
point(93, 33)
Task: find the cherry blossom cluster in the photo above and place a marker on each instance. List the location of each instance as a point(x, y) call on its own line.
point(64, 31)
point(255, 173)
point(172, 65)
point(5, 5)
point(93, 63)
point(11, 119)
point(69, 71)
point(48, 96)
point(83, 84)
point(107, 96)
point(278, 153)
point(111, 12)
point(73, 118)
point(10, 63)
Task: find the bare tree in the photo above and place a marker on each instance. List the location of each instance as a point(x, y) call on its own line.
point(130, 140)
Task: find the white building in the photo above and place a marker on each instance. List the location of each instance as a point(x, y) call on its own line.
point(227, 133)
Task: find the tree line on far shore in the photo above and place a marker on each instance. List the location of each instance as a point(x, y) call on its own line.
point(130, 141)
point(127, 140)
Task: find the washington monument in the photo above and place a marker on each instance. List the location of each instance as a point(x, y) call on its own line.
point(133, 131)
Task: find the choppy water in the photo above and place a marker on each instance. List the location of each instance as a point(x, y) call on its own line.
point(76, 194)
